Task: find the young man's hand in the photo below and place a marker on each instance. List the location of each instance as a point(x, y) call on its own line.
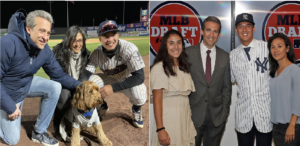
point(16, 114)
point(106, 90)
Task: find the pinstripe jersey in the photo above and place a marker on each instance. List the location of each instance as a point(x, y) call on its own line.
point(252, 79)
point(121, 65)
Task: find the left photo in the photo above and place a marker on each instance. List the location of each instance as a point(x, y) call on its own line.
point(74, 73)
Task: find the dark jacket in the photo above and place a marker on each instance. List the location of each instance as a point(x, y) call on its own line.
point(216, 94)
point(63, 58)
point(20, 60)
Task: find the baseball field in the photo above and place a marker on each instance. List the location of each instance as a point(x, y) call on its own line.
point(142, 42)
point(117, 122)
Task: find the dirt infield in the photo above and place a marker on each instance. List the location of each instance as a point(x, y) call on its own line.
point(117, 122)
point(97, 41)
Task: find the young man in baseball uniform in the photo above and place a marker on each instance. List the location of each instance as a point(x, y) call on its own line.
point(249, 69)
point(122, 63)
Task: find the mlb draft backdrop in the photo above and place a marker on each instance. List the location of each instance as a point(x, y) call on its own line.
point(187, 17)
point(271, 17)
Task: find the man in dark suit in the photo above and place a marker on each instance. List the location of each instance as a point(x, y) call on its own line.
point(210, 72)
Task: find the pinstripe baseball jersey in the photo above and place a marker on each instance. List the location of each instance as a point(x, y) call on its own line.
point(252, 79)
point(120, 66)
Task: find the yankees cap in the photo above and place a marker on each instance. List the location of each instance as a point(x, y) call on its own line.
point(107, 26)
point(244, 17)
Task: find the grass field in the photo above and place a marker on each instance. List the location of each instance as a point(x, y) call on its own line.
point(142, 44)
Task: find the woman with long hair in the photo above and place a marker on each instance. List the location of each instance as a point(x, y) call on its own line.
point(284, 91)
point(171, 83)
point(71, 53)
point(73, 56)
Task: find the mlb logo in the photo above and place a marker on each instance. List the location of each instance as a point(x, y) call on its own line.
point(296, 43)
point(174, 19)
point(187, 42)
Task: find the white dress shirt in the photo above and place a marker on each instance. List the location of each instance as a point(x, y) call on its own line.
point(203, 50)
point(252, 79)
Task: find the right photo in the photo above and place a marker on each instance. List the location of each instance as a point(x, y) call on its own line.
point(224, 73)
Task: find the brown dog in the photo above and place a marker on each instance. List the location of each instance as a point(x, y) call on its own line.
point(83, 115)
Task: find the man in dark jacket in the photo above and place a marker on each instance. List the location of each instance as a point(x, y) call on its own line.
point(23, 51)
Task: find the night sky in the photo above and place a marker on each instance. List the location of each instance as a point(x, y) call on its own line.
point(80, 13)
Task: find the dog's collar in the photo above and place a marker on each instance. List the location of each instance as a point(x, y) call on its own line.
point(87, 114)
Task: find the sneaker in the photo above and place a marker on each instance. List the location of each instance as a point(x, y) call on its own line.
point(44, 139)
point(137, 118)
point(103, 109)
point(57, 134)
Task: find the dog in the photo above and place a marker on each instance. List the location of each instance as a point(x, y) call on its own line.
point(83, 115)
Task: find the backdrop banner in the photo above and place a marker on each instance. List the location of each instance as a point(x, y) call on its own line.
point(269, 16)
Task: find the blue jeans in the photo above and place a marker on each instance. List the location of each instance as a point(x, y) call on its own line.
point(49, 92)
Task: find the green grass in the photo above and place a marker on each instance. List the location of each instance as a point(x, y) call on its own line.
point(52, 44)
point(143, 46)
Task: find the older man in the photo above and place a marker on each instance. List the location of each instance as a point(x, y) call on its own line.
point(23, 51)
point(210, 72)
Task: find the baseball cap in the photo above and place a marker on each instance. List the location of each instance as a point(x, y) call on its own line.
point(107, 26)
point(244, 17)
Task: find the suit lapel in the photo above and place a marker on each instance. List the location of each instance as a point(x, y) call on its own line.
point(217, 63)
point(198, 61)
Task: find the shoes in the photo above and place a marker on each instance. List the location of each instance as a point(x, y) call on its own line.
point(44, 139)
point(103, 109)
point(137, 118)
point(57, 134)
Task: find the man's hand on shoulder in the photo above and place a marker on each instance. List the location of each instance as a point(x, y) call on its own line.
point(106, 90)
point(16, 114)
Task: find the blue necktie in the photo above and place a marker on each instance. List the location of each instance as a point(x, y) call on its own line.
point(247, 49)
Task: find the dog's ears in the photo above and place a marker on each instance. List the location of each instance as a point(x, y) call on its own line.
point(78, 98)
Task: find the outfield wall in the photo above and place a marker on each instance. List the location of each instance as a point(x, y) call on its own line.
point(91, 32)
point(94, 34)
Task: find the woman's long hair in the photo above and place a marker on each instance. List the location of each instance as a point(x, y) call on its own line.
point(290, 55)
point(62, 53)
point(167, 61)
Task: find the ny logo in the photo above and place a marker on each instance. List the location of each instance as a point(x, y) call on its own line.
point(245, 16)
point(262, 65)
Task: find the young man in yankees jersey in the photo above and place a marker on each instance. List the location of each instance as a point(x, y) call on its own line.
point(249, 69)
point(122, 64)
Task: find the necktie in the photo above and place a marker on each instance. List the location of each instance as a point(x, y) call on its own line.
point(208, 67)
point(247, 49)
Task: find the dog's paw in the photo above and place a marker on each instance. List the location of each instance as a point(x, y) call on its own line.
point(107, 142)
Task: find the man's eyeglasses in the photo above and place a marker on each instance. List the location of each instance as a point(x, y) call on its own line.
point(109, 27)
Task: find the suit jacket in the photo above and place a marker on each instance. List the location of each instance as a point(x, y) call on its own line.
point(216, 94)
